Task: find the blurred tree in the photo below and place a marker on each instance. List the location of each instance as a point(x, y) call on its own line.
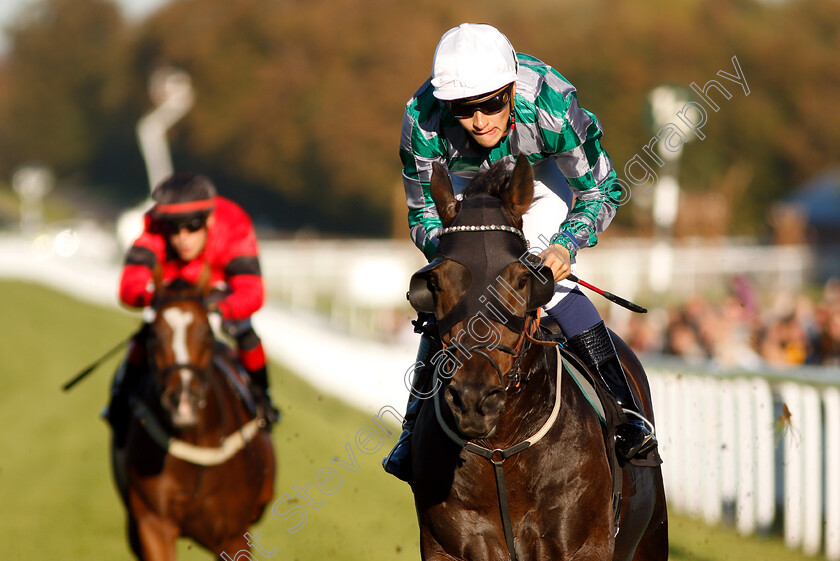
point(61, 82)
point(299, 103)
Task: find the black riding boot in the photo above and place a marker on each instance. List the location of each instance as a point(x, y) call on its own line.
point(118, 410)
point(398, 461)
point(263, 397)
point(595, 348)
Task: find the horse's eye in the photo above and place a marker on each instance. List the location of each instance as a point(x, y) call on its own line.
point(523, 281)
point(433, 283)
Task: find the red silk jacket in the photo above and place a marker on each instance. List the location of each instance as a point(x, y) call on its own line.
point(231, 252)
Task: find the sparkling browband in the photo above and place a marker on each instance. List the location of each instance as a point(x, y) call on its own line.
point(485, 228)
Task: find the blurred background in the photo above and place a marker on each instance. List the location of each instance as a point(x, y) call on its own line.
point(294, 109)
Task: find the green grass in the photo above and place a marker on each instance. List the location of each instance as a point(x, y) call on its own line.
point(57, 497)
point(695, 541)
point(58, 501)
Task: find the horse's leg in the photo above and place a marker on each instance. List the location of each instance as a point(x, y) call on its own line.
point(155, 534)
point(430, 549)
point(157, 538)
point(134, 537)
point(232, 547)
point(269, 470)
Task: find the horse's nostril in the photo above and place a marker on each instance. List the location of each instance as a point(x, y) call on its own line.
point(171, 399)
point(453, 398)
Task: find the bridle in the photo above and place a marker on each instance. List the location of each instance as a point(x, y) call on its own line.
point(513, 377)
point(160, 375)
point(510, 379)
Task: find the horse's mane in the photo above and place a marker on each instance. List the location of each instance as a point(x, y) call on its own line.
point(492, 182)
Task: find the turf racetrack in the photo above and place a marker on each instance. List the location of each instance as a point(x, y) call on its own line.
point(58, 499)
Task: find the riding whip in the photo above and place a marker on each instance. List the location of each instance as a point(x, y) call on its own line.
point(610, 296)
point(78, 377)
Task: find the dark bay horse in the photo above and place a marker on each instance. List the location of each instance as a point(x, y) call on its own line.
point(196, 462)
point(498, 408)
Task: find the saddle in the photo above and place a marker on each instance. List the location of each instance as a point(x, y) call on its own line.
point(237, 377)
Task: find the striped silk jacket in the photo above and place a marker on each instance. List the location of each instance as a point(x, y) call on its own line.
point(547, 122)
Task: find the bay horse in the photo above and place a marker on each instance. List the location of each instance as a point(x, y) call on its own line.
point(196, 462)
point(504, 466)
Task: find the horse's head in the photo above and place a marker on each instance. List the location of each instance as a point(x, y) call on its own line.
point(181, 348)
point(481, 286)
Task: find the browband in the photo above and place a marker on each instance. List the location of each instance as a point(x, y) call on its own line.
point(485, 228)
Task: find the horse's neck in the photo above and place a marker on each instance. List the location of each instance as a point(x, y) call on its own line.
point(529, 407)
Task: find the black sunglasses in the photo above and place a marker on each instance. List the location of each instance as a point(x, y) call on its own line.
point(192, 225)
point(464, 109)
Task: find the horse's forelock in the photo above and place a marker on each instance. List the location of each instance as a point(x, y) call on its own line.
point(179, 289)
point(495, 182)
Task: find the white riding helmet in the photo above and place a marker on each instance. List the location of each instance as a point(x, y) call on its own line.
point(470, 60)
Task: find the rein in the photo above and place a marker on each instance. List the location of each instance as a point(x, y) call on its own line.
point(205, 456)
point(497, 456)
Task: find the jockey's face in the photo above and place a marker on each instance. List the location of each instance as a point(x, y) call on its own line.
point(188, 240)
point(486, 124)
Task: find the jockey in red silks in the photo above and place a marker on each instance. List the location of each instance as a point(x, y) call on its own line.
point(188, 228)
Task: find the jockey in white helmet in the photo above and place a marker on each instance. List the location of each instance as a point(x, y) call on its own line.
point(483, 103)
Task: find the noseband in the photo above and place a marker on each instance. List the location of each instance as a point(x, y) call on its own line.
point(512, 377)
point(194, 368)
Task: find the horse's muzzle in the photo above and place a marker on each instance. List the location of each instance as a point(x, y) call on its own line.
point(476, 409)
point(183, 407)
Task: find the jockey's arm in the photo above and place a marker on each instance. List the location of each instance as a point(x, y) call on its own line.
point(419, 149)
point(136, 289)
point(247, 291)
point(573, 135)
point(242, 273)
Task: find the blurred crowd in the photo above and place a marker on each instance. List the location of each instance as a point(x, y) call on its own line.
point(742, 330)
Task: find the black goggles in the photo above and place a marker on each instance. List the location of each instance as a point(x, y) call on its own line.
point(191, 225)
point(465, 108)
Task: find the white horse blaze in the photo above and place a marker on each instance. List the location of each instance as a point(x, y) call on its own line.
point(179, 321)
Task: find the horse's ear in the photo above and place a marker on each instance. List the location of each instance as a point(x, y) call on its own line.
point(440, 188)
point(203, 281)
point(157, 277)
point(520, 191)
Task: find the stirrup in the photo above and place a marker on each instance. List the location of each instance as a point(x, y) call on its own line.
point(648, 442)
point(644, 420)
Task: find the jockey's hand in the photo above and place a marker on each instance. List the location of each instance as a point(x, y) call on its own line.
point(559, 260)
